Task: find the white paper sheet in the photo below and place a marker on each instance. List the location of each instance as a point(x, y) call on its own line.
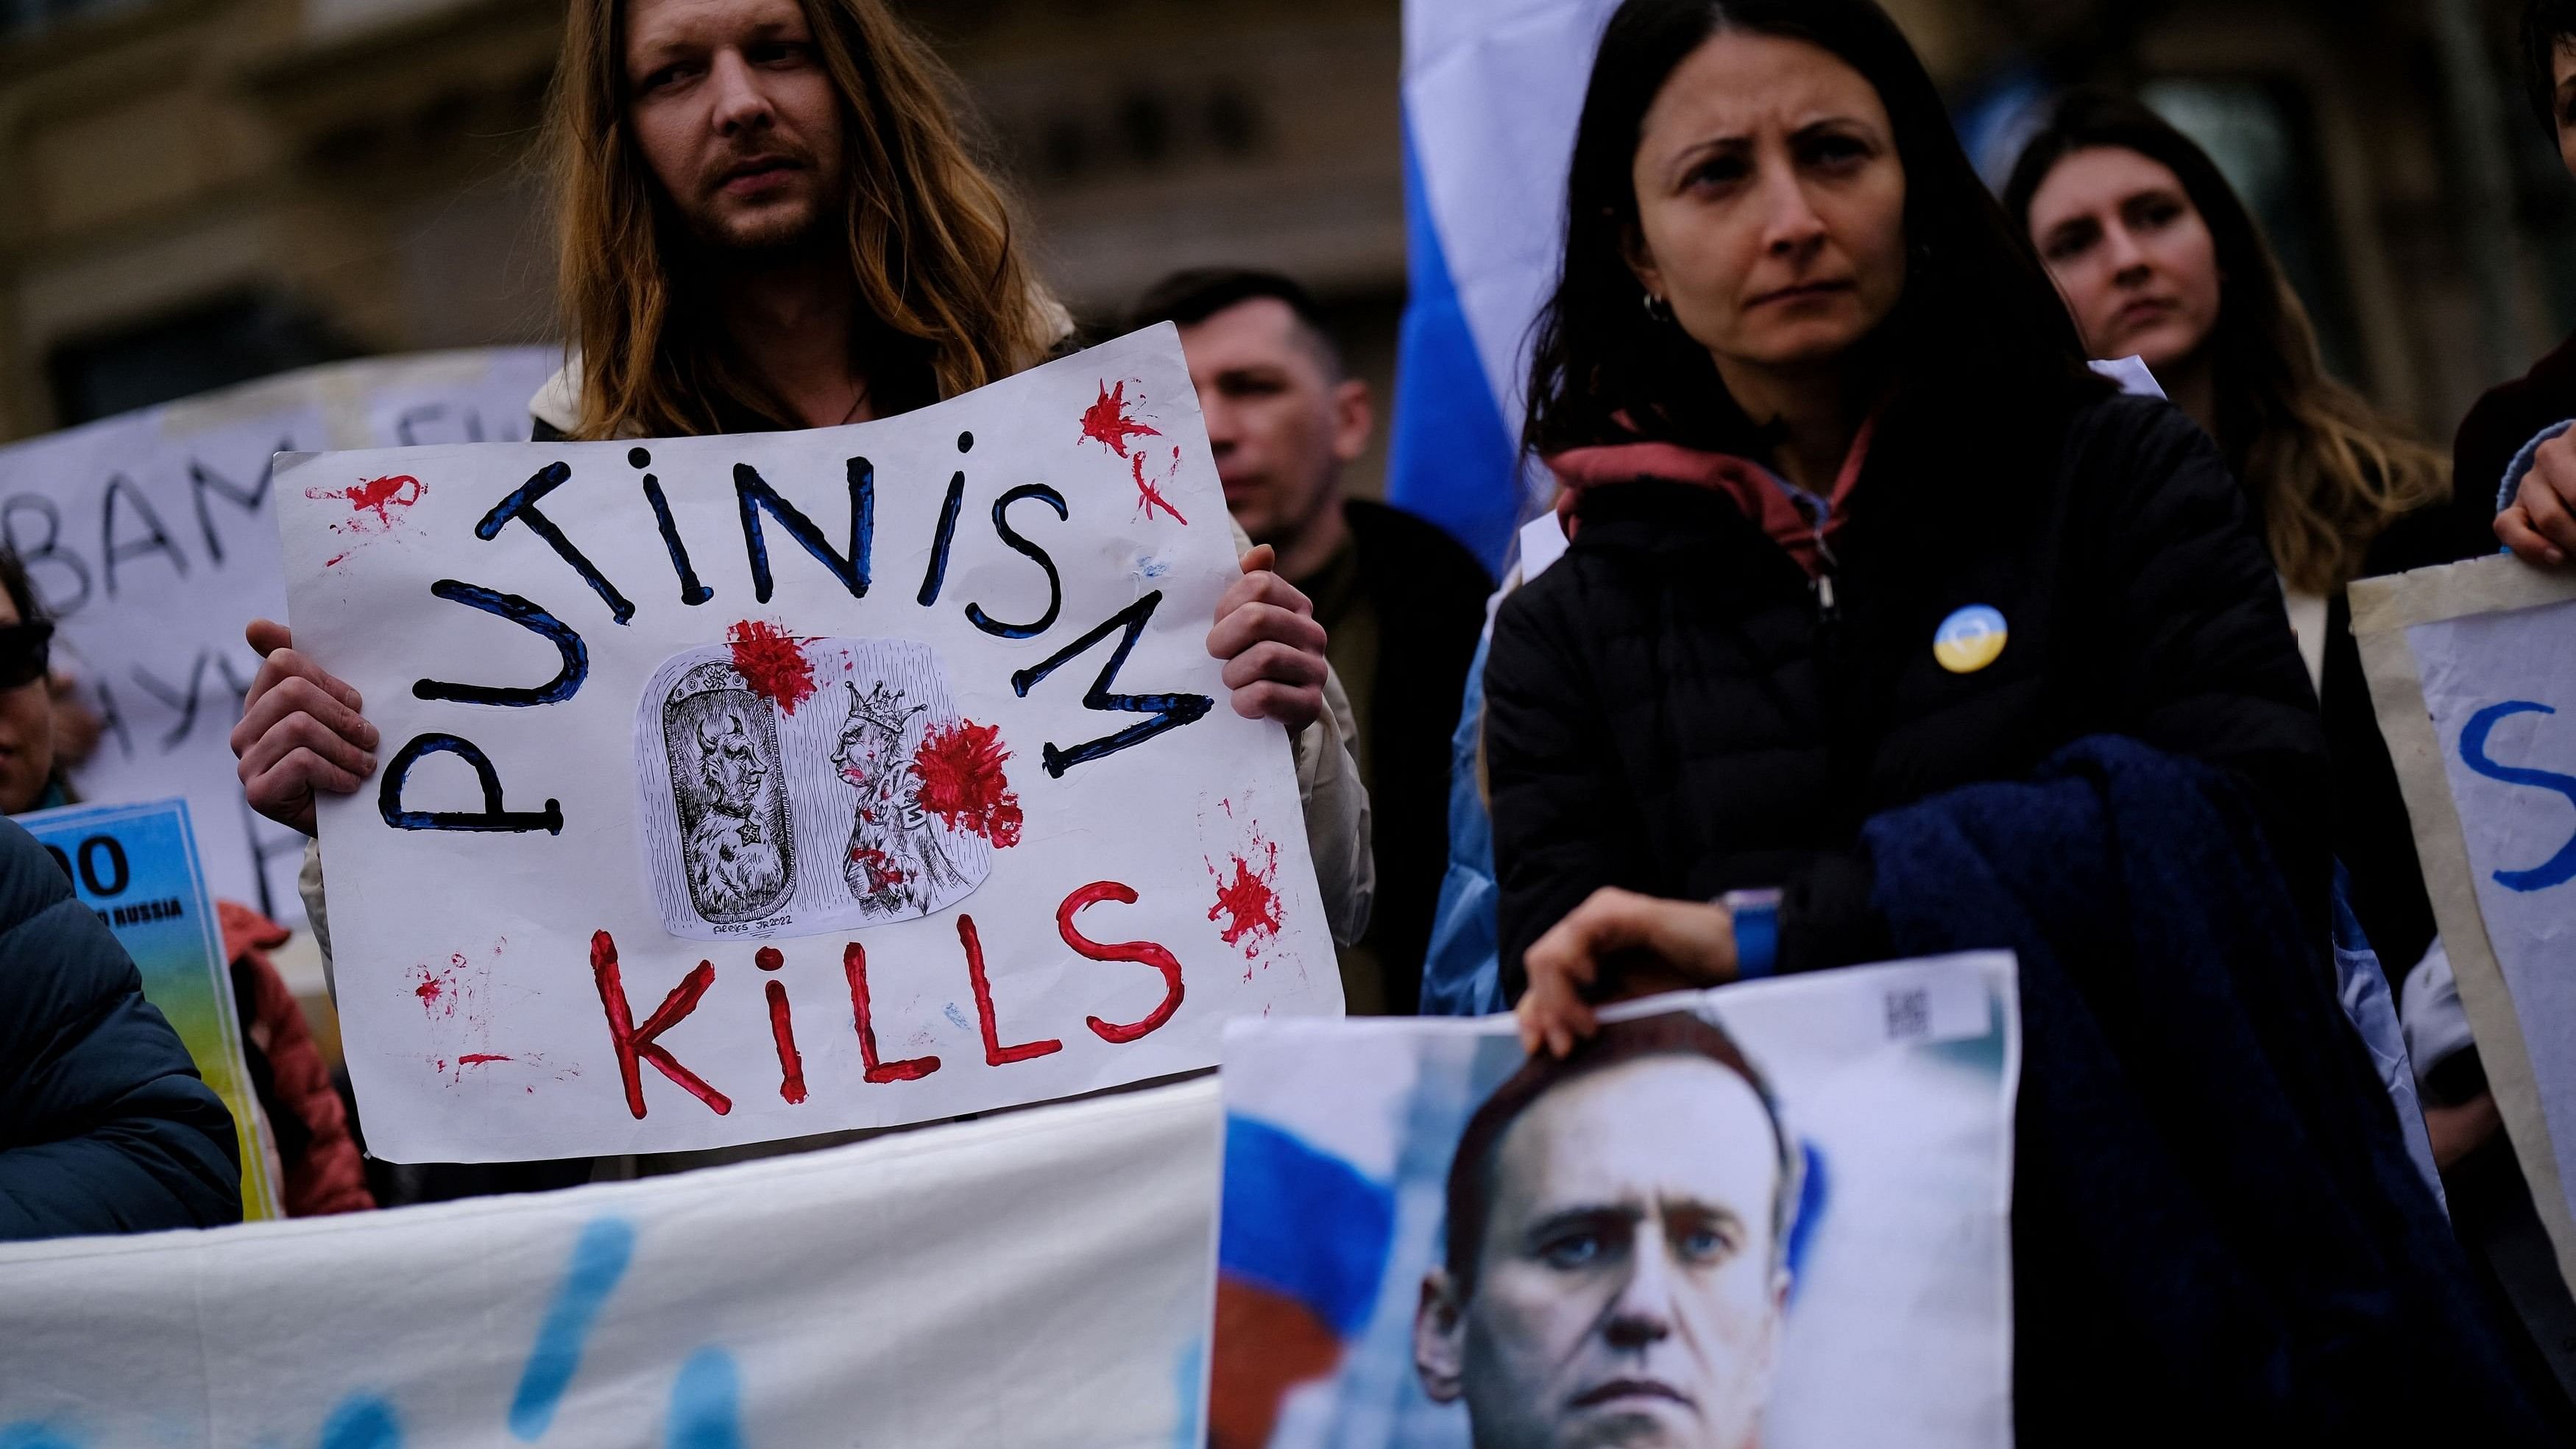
point(874, 774)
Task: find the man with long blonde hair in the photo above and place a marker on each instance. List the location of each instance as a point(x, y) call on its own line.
point(769, 219)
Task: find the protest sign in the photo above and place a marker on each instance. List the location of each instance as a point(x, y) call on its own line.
point(136, 866)
point(738, 788)
point(1775, 1212)
point(1036, 1279)
point(2472, 670)
point(149, 536)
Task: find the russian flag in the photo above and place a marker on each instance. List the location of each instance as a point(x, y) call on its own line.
point(1492, 91)
point(1307, 1222)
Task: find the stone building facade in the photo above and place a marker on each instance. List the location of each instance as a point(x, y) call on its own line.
point(197, 191)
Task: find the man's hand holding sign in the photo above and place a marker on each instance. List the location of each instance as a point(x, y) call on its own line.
point(633, 756)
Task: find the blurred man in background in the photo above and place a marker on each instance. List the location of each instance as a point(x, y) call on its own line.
point(1400, 601)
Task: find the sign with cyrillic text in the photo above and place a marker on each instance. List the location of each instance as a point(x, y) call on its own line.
point(738, 788)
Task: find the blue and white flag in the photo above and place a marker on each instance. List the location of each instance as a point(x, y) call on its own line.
point(1492, 90)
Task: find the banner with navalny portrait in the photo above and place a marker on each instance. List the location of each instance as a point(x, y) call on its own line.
point(1775, 1213)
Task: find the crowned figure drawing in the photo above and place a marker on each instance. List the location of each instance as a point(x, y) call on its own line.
point(897, 861)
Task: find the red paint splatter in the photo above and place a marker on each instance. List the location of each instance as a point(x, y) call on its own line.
point(883, 873)
point(376, 495)
point(962, 781)
point(772, 662)
point(768, 958)
point(429, 989)
point(1149, 497)
point(1106, 422)
point(476, 1059)
point(334, 560)
point(1247, 907)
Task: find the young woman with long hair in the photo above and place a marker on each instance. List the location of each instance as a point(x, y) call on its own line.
point(2159, 259)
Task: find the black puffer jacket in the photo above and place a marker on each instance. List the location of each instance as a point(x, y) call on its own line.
point(1676, 709)
point(105, 1126)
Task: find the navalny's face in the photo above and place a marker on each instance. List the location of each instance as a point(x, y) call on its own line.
point(1628, 1290)
point(735, 113)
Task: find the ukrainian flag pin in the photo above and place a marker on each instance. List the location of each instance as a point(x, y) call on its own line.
point(1969, 639)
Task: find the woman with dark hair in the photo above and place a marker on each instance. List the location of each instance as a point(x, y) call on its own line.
point(2158, 258)
point(1885, 627)
point(1853, 520)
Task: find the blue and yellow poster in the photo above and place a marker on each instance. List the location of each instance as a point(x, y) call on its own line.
point(136, 865)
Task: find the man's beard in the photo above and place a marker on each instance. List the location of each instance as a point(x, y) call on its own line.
point(764, 240)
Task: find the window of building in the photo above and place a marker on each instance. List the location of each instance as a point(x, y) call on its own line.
point(26, 17)
point(179, 354)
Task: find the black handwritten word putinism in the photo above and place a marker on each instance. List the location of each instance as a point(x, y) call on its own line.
point(763, 507)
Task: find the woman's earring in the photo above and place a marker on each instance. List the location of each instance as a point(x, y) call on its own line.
point(1657, 310)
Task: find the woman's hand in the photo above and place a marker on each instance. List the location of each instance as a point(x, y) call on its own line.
point(1272, 647)
point(1686, 943)
point(2540, 527)
point(300, 731)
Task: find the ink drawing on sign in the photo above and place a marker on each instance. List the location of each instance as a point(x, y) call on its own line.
point(801, 785)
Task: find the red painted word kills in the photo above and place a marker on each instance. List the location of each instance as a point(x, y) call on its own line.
point(637, 1044)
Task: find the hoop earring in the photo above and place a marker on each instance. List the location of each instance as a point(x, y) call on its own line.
point(1657, 309)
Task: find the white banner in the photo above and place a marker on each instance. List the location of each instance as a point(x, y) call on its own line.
point(1036, 1279)
point(738, 788)
point(2473, 673)
point(150, 537)
point(1777, 1212)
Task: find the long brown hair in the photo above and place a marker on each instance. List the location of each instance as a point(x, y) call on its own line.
point(1979, 335)
point(2327, 473)
point(940, 279)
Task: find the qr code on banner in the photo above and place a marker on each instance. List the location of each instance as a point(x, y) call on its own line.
point(1909, 1014)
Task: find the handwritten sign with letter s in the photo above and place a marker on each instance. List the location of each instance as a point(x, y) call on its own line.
point(2473, 673)
point(740, 788)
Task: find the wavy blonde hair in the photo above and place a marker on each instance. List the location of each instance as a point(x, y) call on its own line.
point(2327, 473)
point(930, 238)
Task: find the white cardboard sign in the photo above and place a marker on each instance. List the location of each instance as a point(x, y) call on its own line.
point(2473, 672)
point(149, 537)
point(739, 788)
